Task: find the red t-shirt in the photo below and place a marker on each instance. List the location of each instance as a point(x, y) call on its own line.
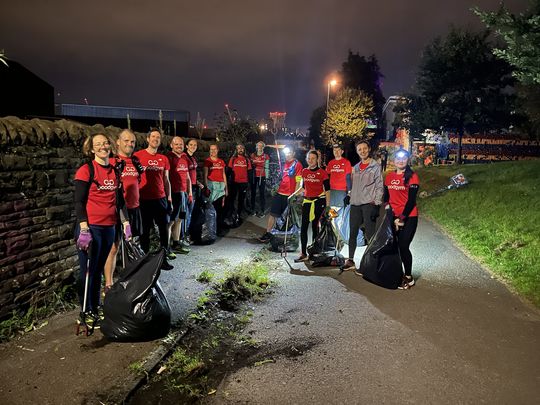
point(338, 171)
point(152, 184)
point(259, 163)
point(288, 181)
point(179, 172)
point(215, 169)
point(399, 192)
point(240, 166)
point(101, 203)
point(130, 180)
point(314, 182)
point(192, 167)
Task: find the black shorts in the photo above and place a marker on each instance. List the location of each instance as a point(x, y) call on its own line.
point(278, 205)
point(179, 204)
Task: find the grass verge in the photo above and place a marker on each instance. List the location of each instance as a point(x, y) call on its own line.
point(495, 217)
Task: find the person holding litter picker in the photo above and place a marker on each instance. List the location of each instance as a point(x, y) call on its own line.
point(400, 190)
point(316, 188)
point(98, 202)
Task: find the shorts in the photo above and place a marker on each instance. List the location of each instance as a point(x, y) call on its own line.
point(278, 205)
point(179, 205)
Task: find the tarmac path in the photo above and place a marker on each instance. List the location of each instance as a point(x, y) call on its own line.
point(458, 336)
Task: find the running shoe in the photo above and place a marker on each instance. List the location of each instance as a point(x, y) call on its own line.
point(179, 248)
point(348, 266)
point(301, 258)
point(358, 272)
point(406, 283)
point(170, 255)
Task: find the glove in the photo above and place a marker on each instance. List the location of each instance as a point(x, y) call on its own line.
point(190, 198)
point(127, 232)
point(84, 240)
point(375, 212)
point(169, 207)
point(346, 200)
point(327, 210)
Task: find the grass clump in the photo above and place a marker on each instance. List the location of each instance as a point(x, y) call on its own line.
point(495, 217)
point(205, 276)
point(35, 317)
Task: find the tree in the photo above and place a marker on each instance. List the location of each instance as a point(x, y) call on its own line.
point(361, 73)
point(232, 128)
point(347, 116)
point(415, 114)
point(461, 79)
point(315, 124)
point(521, 35)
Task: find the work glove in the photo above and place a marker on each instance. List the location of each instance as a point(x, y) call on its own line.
point(327, 210)
point(84, 240)
point(127, 232)
point(346, 200)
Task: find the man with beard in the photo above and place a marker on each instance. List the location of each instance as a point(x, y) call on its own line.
point(240, 166)
point(130, 176)
point(155, 194)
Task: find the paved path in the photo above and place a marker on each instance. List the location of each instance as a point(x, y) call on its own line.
point(458, 336)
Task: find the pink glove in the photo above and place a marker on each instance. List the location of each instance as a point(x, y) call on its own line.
point(85, 239)
point(127, 231)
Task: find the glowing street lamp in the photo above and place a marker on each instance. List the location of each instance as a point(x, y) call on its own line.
point(331, 83)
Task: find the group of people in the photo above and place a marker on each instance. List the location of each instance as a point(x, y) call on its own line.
point(361, 186)
point(121, 193)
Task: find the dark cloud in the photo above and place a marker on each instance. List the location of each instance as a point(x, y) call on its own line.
point(258, 56)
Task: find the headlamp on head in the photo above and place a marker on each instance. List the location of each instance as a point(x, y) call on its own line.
point(402, 154)
point(286, 150)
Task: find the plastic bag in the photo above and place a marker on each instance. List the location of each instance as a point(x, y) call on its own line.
point(203, 226)
point(342, 223)
point(328, 240)
point(381, 263)
point(284, 229)
point(135, 308)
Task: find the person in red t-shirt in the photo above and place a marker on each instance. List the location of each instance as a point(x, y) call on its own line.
point(216, 181)
point(316, 188)
point(261, 167)
point(290, 181)
point(130, 176)
point(191, 148)
point(181, 194)
point(96, 210)
point(400, 190)
point(339, 169)
point(240, 166)
point(155, 194)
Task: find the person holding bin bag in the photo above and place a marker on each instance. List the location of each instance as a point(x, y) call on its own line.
point(98, 202)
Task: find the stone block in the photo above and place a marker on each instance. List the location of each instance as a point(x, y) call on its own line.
point(13, 162)
point(61, 212)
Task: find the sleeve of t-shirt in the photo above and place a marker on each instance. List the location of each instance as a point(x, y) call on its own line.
point(298, 167)
point(83, 173)
point(325, 175)
point(167, 165)
point(414, 179)
point(328, 168)
point(207, 163)
point(249, 164)
point(231, 163)
point(348, 167)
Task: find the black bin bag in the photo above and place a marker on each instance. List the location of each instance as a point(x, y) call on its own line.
point(286, 232)
point(327, 242)
point(381, 263)
point(135, 308)
point(203, 225)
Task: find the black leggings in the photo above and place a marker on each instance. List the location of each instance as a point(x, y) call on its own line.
point(219, 206)
point(260, 184)
point(319, 208)
point(362, 216)
point(405, 236)
point(238, 190)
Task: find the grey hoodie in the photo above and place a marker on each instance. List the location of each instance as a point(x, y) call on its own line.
point(367, 185)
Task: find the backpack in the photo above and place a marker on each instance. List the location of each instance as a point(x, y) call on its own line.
point(118, 169)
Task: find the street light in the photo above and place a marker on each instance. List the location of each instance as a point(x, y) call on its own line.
point(331, 83)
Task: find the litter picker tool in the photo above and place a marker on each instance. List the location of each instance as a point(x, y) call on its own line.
point(84, 315)
point(284, 247)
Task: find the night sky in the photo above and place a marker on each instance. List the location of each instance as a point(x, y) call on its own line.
point(258, 56)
